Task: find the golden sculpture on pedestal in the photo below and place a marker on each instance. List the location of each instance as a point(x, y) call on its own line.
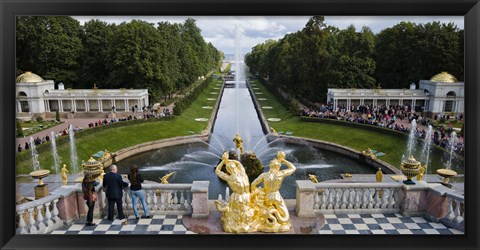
point(313, 178)
point(239, 143)
point(262, 209)
point(164, 179)
point(64, 174)
point(422, 172)
point(379, 175)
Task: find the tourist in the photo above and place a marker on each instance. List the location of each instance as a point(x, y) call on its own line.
point(27, 146)
point(114, 190)
point(19, 148)
point(90, 196)
point(136, 191)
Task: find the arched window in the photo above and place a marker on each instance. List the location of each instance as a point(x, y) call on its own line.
point(22, 94)
point(450, 102)
point(46, 91)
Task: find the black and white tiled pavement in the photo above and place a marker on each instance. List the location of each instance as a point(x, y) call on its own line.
point(381, 224)
point(158, 224)
point(334, 224)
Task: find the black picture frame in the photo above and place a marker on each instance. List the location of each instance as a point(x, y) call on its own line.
point(11, 8)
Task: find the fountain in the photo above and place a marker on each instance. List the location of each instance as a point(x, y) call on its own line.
point(409, 166)
point(447, 172)
point(427, 145)
point(73, 149)
point(56, 158)
point(35, 162)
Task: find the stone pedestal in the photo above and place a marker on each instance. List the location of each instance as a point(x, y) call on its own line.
point(41, 191)
point(414, 201)
point(305, 199)
point(200, 206)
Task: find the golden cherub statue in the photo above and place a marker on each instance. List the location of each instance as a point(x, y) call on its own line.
point(313, 178)
point(273, 131)
point(164, 179)
point(64, 174)
point(239, 143)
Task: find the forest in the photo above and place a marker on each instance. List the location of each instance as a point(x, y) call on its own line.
point(318, 57)
point(163, 57)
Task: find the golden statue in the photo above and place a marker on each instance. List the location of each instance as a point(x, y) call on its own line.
point(164, 179)
point(313, 178)
point(422, 172)
point(271, 212)
point(64, 174)
point(379, 175)
point(369, 154)
point(239, 143)
point(273, 131)
point(237, 214)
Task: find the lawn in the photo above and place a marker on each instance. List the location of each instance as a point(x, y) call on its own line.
point(115, 139)
point(32, 127)
point(359, 138)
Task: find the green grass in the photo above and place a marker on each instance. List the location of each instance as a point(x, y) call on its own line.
point(353, 137)
point(33, 127)
point(117, 138)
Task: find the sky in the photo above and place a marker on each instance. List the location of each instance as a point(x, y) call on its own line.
point(220, 30)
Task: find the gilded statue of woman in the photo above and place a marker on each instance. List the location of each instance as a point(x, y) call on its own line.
point(271, 209)
point(237, 214)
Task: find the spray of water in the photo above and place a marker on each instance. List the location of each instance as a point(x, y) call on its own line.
point(427, 144)
point(411, 138)
point(56, 158)
point(73, 150)
point(453, 142)
point(35, 162)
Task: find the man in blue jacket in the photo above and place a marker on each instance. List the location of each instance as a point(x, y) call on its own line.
point(114, 190)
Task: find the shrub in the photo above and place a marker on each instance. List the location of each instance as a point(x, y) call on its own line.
point(39, 119)
point(19, 129)
point(191, 96)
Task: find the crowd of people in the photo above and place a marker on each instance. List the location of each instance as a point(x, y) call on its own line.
point(389, 117)
point(148, 112)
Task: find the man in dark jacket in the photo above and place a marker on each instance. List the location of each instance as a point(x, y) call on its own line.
point(114, 190)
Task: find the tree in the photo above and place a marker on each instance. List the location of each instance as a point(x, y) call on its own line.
point(19, 129)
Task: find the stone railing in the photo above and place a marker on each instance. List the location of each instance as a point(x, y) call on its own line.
point(66, 204)
point(455, 212)
point(347, 198)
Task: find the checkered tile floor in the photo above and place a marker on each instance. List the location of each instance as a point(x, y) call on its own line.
point(158, 224)
point(381, 224)
point(334, 224)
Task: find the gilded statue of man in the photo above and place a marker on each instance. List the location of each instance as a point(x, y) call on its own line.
point(273, 213)
point(239, 143)
point(237, 214)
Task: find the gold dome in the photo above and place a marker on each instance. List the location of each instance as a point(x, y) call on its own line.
point(29, 77)
point(443, 77)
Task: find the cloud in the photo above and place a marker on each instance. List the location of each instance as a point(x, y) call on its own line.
point(220, 30)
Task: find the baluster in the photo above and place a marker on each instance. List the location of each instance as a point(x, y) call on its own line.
point(366, 193)
point(377, 198)
point(182, 198)
point(169, 199)
point(21, 223)
point(316, 201)
point(371, 193)
point(391, 198)
point(103, 197)
point(188, 201)
point(338, 198)
point(331, 199)
point(154, 200)
point(48, 216)
point(358, 200)
point(148, 198)
point(325, 195)
point(458, 216)
point(175, 199)
point(40, 224)
point(31, 221)
point(385, 195)
point(162, 201)
point(346, 192)
point(351, 200)
point(450, 213)
point(55, 212)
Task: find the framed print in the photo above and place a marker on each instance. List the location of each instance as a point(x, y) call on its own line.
point(210, 124)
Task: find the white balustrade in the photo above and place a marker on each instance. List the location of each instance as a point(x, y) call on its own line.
point(455, 216)
point(356, 198)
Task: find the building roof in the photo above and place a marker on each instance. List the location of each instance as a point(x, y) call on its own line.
point(443, 77)
point(29, 77)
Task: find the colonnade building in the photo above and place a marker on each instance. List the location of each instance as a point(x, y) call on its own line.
point(38, 97)
point(443, 93)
